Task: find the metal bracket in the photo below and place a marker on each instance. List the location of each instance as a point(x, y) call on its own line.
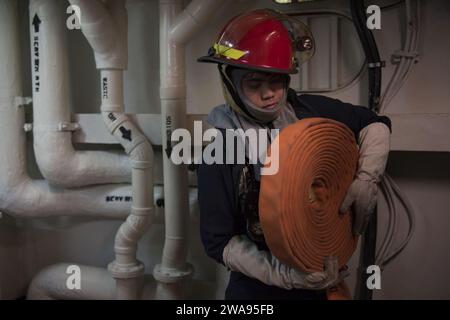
point(397, 55)
point(27, 127)
point(380, 64)
point(63, 126)
point(68, 126)
point(22, 101)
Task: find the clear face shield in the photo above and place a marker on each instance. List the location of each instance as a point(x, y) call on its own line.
point(302, 39)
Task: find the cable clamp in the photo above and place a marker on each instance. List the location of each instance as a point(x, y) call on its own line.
point(28, 127)
point(379, 64)
point(397, 55)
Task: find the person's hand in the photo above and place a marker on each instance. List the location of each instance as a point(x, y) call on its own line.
point(330, 277)
point(242, 255)
point(374, 144)
point(362, 194)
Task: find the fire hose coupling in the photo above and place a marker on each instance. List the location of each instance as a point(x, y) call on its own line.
point(126, 271)
point(172, 275)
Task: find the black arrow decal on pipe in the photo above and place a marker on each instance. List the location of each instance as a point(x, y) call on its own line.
point(36, 23)
point(168, 149)
point(126, 134)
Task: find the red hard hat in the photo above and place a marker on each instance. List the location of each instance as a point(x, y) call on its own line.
point(263, 40)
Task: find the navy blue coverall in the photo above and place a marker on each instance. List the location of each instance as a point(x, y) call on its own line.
point(221, 214)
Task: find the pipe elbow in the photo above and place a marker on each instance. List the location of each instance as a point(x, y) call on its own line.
point(143, 153)
point(132, 230)
point(105, 29)
point(37, 289)
point(192, 18)
point(60, 164)
point(54, 167)
point(52, 283)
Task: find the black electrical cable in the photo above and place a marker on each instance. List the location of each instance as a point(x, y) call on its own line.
point(389, 6)
point(371, 51)
point(368, 245)
point(367, 258)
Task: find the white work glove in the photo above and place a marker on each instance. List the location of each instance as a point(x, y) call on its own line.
point(374, 144)
point(242, 255)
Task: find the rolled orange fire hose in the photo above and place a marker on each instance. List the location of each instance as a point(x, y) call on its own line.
point(299, 204)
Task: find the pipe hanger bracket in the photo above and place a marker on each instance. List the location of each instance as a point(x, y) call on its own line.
point(22, 101)
point(68, 126)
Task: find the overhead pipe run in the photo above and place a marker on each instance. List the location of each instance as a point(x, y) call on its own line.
point(105, 28)
point(192, 19)
point(58, 162)
point(21, 196)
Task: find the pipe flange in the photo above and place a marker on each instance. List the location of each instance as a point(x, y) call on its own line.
point(169, 275)
point(124, 271)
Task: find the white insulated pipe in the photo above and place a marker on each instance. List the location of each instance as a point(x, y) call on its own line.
point(61, 282)
point(192, 19)
point(173, 268)
point(176, 28)
point(19, 195)
point(107, 35)
point(126, 268)
point(105, 28)
point(58, 162)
